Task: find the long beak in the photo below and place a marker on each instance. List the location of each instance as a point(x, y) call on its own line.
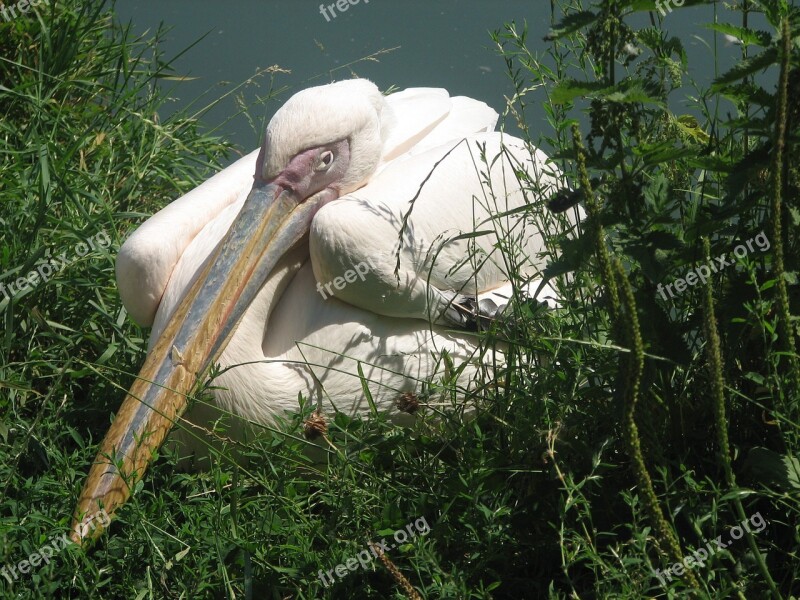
point(271, 221)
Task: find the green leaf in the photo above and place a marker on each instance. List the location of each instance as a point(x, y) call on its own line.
point(772, 469)
point(656, 194)
point(749, 37)
point(662, 152)
point(473, 234)
point(794, 213)
point(641, 5)
point(737, 493)
point(574, 253)
point(767, 285)
point(651, 37)
point(690, 127)
point(747, 67)
point(631, 95)
point(109, 352)
point(624, 92)
point(180, 555)
point(654, 39)
point(570, 24)
point(569, 89)
point(365, 389)
point(748, 92)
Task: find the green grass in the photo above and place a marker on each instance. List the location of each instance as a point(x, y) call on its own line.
point(548, 490)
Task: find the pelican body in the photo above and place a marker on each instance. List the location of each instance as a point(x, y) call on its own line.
point(347, 242)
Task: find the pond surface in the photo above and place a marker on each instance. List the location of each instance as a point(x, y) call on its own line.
point(437, 43)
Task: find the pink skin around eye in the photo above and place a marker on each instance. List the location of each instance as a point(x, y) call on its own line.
point(298, 174)
point(301, 177)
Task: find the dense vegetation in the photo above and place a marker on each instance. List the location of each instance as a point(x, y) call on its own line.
point(628, 430)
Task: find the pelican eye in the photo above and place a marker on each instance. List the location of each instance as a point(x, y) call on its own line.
point(325, 161)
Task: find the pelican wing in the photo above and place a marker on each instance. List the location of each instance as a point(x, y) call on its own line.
point(147, 259)
point(435, 224)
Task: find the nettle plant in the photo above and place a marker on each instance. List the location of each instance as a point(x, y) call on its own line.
point(665, 192)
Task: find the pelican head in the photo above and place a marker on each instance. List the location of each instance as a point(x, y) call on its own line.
point(322, 143)
point(329, 136)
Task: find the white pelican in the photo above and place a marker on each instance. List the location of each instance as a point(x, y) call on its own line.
point(291, 276)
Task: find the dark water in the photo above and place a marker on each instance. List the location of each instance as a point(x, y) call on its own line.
point(439, 43)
